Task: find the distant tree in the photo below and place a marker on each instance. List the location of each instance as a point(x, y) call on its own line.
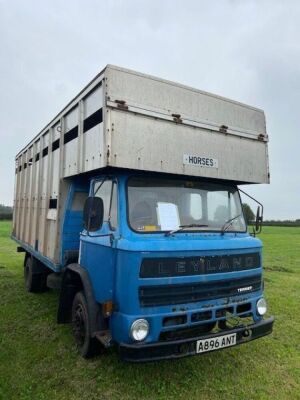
point(221, 214)
point(5, 209)
point(249, 214)
point(5, 212)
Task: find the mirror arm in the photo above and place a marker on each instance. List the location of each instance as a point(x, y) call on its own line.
point(103, 180)
point(262, 209)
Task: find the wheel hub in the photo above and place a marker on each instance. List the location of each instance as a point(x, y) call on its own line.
point(79, 324)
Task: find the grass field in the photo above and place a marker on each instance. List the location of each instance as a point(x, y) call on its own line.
point(38, 359)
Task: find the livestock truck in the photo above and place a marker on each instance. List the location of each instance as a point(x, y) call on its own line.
point(128, 203)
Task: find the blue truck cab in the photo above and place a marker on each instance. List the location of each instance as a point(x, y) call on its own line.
point(163, 293)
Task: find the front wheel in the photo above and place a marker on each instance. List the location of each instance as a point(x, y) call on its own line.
point(87, 346)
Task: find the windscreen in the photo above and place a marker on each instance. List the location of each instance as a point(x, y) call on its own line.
point(156, 205)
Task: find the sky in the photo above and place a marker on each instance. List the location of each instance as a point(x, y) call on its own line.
point(246, 50)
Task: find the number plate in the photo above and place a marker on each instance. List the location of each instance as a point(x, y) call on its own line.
point(215, 343)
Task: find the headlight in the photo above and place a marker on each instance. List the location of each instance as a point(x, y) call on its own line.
point(261, 306)
point(139, 329)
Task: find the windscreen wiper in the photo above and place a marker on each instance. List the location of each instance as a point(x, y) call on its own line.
point(182, 227)
point(228, 224)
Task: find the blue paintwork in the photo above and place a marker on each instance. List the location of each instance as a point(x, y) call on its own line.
point(98, 256)
point(113, 266)
point(72, 222)
point(112, 259)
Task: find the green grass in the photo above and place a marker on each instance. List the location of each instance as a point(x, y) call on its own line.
point(38, 359)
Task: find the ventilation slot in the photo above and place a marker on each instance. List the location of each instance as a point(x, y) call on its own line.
point(93, 120)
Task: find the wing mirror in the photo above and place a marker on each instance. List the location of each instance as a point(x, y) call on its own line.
point(258, 220)
point(93, 211)
point(257, 227)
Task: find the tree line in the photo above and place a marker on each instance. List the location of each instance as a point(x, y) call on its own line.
point(5, 212)
point(250, 219)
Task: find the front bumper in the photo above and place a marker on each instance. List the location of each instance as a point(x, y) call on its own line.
point(187, 347)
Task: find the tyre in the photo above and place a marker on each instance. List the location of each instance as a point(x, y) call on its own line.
point(86, 345)
point(34, 282)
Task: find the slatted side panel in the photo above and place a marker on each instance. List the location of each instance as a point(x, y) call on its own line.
point(28, 196)
point(43, 186)
point(52, 218)
point(93, 143)
point(72, 145)
point(22, 194)
point(16, 213)
point(83, 135)
point(35, 193)
point(71, 122)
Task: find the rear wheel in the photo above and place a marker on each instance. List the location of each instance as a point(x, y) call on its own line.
point(34, 282)
point(87, 346)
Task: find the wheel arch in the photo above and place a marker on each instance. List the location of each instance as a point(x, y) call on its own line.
point(76, 278)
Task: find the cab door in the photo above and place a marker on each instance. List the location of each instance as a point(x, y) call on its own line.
point(98, 249)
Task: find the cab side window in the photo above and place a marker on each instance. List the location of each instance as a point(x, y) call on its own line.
point(107, 190)
point(114, 207)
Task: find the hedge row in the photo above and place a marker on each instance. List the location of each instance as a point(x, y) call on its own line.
point(281, 223)
point(5, 216)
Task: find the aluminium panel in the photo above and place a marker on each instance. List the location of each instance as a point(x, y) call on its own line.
point(139, 142)
point(71, 121)
point(55, 175)
point(28, 200)
point(51, 233)
point(22, 194)
point(149, 93)
point(35, 197)
point(94, 141)
point(94, 149)
point(16, 196)
point(56, 154)
point(70, 158)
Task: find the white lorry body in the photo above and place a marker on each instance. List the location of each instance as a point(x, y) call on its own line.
point(126, 119)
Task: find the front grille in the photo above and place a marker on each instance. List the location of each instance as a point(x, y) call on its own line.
point(187, 333)
point(177, 320)
point(201, 316)
point(201, 265)
point(221, 312)
point(150, 296)
point(242, 308)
